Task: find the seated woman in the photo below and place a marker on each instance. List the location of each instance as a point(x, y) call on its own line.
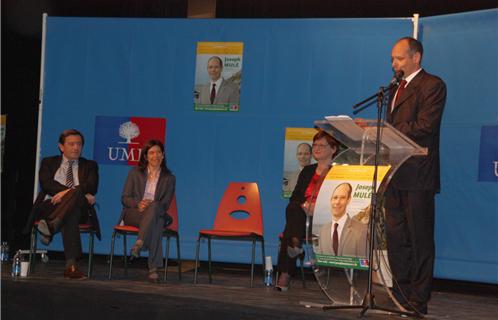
point(147, 194)
point(301, 203)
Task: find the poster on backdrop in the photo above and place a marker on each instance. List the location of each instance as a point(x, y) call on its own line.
point(341, 216)
point(218, 76)
point(297, 155)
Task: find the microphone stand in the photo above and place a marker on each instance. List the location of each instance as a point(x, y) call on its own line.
point(369, 298)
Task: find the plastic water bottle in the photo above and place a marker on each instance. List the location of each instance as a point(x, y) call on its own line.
point(16, 265)
point(269, 278)
point(5, 252)
point(2, 252)
point(268, 272)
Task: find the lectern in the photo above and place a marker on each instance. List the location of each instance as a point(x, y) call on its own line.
point(360, 153)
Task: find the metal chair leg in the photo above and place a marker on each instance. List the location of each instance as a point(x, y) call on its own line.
point(197, 259)
point(252, 260)
point(178, 258)
point(166, 260)
point(125, 255)
point(112, 254)
point(263, 258)
point(301, 263)
point(32, 250)
point(209, 260)
point(90, 253)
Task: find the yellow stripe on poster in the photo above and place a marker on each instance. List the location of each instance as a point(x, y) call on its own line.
point(364, 173)
point(306, 134)
point(220, 47)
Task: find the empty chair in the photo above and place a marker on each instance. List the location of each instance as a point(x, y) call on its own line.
point(238, 197)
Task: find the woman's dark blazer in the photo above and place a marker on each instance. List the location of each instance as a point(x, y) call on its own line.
point(302, 183)
point(134, 189)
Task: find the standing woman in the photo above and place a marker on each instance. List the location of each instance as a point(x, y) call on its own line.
point(301, 203)
point(146, 197)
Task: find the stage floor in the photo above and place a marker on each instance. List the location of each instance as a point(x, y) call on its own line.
point(47, 295)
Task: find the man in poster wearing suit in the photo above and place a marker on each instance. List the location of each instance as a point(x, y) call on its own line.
point(68, 187)
point(415, 108)
point(342, 236)
point(218, 90)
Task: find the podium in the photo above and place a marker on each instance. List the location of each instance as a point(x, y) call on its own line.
point(395, 147)
point(360, 142)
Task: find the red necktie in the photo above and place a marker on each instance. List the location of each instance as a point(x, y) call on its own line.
point(401, 87)
point(335, 239)
point(213, 93)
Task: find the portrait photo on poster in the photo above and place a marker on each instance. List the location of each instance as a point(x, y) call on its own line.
point(218, 76)
point(297, 155)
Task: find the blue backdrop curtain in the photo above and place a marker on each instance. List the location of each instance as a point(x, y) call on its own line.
point(294, 72)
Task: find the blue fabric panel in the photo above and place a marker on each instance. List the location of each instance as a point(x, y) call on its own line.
point(463, 50)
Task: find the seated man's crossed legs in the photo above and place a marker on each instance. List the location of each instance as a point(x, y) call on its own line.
point(65, 217)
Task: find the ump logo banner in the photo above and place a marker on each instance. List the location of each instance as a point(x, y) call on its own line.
point(118, 140)
point(488, 154)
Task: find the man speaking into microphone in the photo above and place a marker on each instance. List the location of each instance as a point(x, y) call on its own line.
point(415, 108)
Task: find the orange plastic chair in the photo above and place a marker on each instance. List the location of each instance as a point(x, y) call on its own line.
point(238, 197)
point(170, 231)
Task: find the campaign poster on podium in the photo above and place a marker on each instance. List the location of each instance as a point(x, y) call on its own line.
point(341, 216)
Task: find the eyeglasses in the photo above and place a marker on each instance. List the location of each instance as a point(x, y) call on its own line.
point(320, 146)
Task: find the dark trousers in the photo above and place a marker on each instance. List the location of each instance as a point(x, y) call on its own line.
point(150, 224)
point(66, 217)
point(295, 227)
point(410, 242)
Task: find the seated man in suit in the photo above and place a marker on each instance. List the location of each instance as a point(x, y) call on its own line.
point(218, 90)
point(342, 236)
point(68, 186)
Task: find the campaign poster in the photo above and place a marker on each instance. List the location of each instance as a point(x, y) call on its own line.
point(297, 155)
point(341, 216)
point(218, 76)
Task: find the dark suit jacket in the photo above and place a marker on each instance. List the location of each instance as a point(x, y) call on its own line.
point(134, 189)
point(302, 183)
point(417, 114)
point(88, 176)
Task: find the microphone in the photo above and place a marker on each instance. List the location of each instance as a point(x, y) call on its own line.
point(397, 78)
point(398, 75)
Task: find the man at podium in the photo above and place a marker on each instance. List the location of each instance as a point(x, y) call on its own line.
point(415, 108)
